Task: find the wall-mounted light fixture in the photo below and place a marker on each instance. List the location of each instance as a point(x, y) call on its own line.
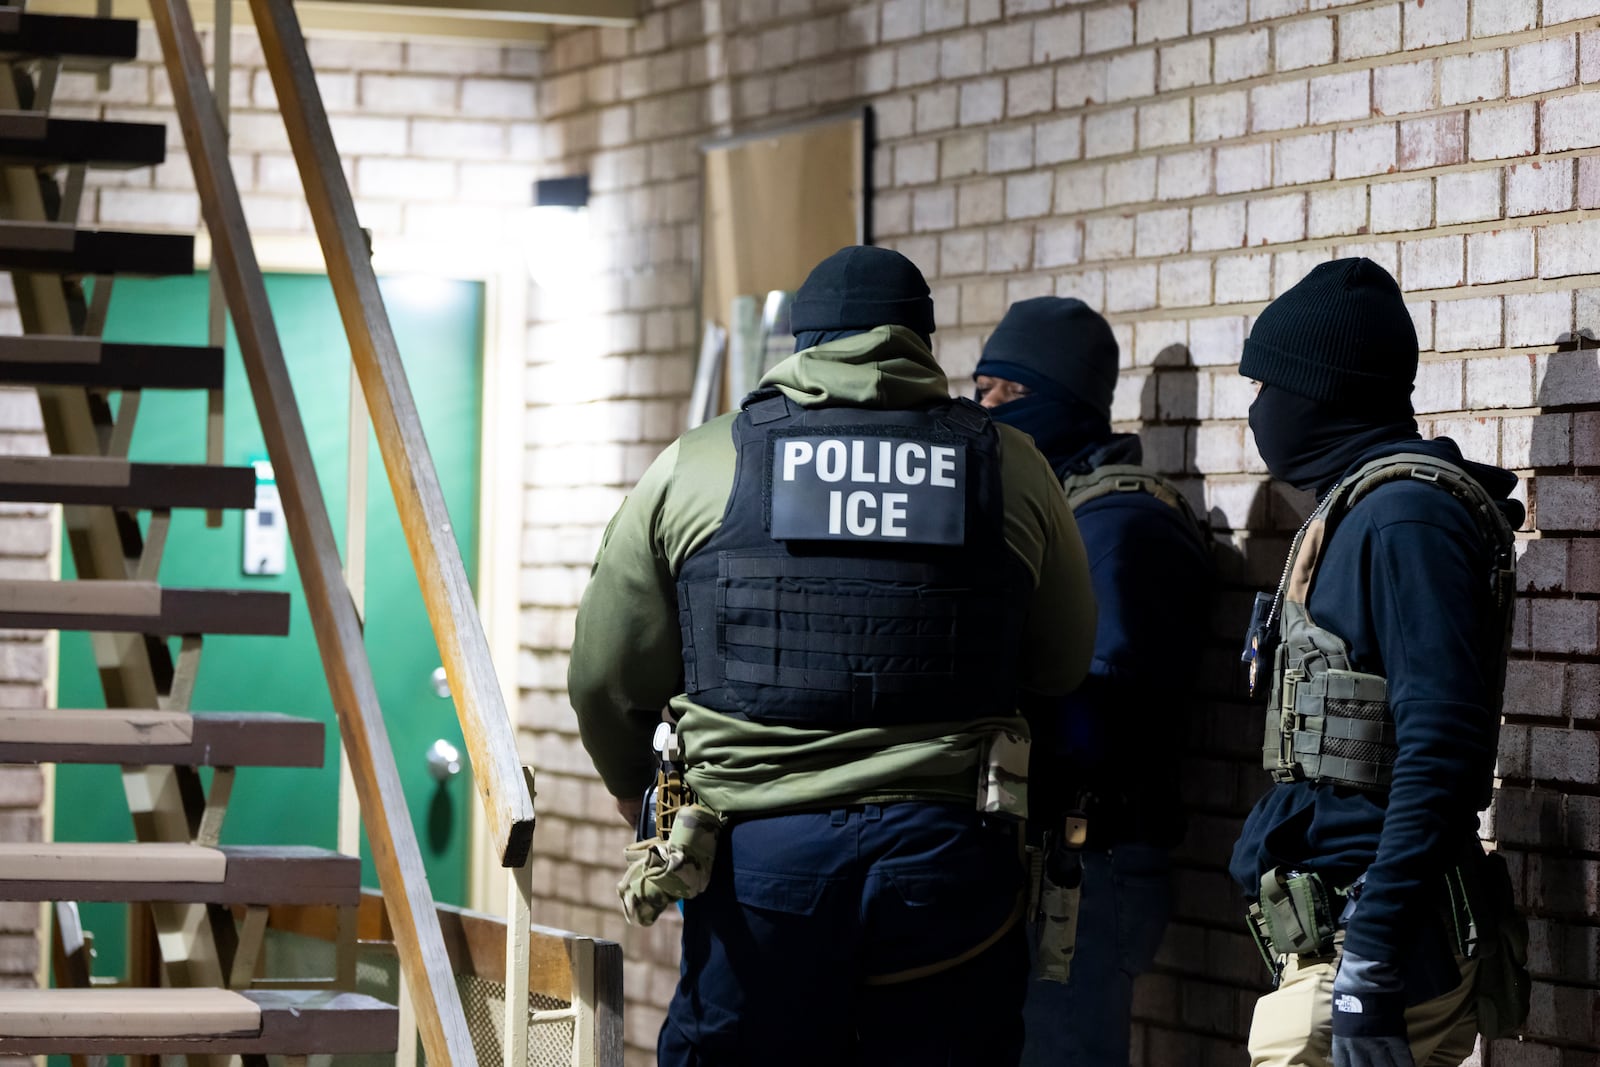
point(556, 241)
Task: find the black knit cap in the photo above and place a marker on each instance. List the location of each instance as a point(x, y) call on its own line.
point(1341, 336)
point(862, 288)
point(1055, 345)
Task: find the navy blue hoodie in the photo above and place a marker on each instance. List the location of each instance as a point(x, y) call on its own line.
point(1405, 582)
point(1152, 582)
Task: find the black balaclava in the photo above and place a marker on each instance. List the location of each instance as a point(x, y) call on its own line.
point(1312, 444)
point(1067, 356)
point(857, 289)
point(1336, 355)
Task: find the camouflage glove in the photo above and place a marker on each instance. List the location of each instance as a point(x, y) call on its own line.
point(1369, 1015)
point(661, 873)
point(1003, 775)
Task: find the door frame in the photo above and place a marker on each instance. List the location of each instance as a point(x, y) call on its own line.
point(504, 276)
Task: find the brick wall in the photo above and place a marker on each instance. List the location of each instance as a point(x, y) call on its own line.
point(1176, 164)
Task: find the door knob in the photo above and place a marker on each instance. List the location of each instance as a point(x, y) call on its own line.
point(444, 761)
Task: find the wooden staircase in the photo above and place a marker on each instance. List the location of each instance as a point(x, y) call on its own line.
point(208, 903)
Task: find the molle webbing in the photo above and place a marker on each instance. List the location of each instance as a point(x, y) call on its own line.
point(1129, 478)
point(1325, 720)
point(834, 632)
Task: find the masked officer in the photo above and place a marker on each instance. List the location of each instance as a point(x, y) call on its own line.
point(797, 580)
point(1049, 369)
point(1390, 933)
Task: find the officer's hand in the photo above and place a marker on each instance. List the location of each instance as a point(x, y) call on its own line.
point(1369, 1015)
point(629, 808)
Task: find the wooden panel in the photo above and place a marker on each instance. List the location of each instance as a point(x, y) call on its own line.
point(45, 246)
point(28, 138)
point(178, 611)
point(124, 735)
point(235, 874)
point(288, 1022)
point(87, 361)
point(118, 483)
point(71, 37)
point(776, 204)
point(390, 831)
point(125, 1013)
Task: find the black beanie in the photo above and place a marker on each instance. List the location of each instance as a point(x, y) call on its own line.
point(1057, 346)
point(1340, 336)
point(862, 288)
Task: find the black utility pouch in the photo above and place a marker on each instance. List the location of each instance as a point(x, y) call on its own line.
point(1489, 929)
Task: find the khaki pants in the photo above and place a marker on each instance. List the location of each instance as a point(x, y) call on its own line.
point(1293, 1025)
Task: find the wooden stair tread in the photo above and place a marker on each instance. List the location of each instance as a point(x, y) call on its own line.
point(166, 738)
point(129, 871)
point(32, 138)
point(71, 37)
point(42, 359)
point(115, 861)
point(23, 125)
point(140, 607)
point(126, 1013)
point(60, 247)
point(100, 480)
point(195, 1021)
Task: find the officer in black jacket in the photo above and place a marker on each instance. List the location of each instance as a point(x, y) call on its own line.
point(1050, 369)
point(1384, 652)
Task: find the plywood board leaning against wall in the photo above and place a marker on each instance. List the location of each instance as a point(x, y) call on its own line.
point(776, 203)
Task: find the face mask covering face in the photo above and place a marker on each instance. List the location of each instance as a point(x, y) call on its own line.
point(1060, 428)
point(1311, 444)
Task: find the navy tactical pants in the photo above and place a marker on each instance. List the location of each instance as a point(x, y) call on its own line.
point(803, 910)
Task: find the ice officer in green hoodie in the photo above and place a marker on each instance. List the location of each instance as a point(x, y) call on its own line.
point(845, 592)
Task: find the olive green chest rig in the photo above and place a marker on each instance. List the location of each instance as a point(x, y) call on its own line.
point(1326, 721)
point(1130, 478)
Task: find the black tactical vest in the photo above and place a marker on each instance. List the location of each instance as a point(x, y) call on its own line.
point(1325, 720)
point(860, 576)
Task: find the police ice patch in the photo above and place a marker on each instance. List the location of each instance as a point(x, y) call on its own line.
point(865, 487)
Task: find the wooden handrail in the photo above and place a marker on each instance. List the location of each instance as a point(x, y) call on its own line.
point(401, 874)
point(485, 724)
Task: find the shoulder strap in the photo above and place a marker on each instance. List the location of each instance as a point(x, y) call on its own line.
point(1130, 478)
point(768, 405)
point(965, 417)
point(1492, 526)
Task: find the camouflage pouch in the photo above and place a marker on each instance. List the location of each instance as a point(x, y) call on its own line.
point(1003, 775)
point(661, 873)
point(1058, 929)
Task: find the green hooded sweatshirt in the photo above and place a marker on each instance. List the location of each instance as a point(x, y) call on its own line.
point(627, 655)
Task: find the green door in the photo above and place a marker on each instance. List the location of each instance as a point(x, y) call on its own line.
point(439, 326)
